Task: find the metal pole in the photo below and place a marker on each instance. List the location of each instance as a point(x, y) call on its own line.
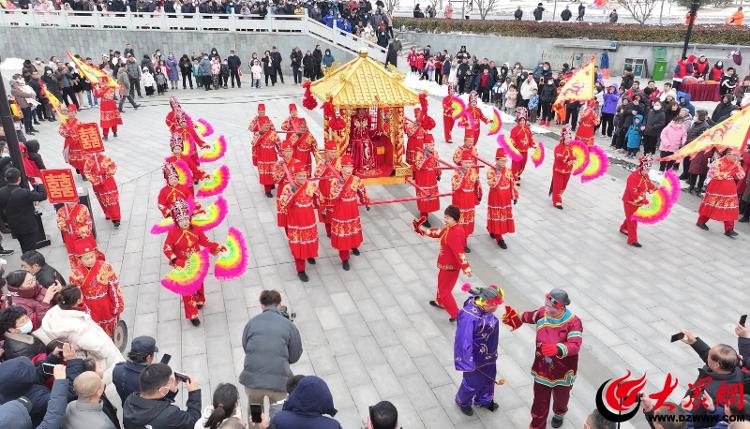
point(10, 133)
point(693, 12)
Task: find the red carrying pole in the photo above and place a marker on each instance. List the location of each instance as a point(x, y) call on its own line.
point(404, 200)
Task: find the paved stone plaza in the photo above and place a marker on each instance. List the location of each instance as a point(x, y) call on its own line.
point(370, 332)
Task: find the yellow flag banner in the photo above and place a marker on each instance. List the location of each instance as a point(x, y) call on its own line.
point(731, 133)
point(93, 73)
point(580, 86)
point(57, 106)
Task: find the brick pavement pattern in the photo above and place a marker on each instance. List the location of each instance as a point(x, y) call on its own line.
point(370, 332)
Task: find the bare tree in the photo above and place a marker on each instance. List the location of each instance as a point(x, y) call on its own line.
point(391, 5)
point(484, 7)
point(640, 9)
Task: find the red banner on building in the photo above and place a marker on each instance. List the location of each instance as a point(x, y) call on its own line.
point(60, 186)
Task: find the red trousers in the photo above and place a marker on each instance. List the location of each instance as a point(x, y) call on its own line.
point(517, 167)
point(560, 396)
point(267, 188)
point(191, 302)
point(559, 183)
point(105, 131)
point(299, 264)
point(448, 127)
point(109, 198)
point(630, 226)
point(446, 281)
point(328, 228)
point(728, 225)
point(344, 255)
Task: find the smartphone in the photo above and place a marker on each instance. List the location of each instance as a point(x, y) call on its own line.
point(743, 319)
point(9, 300)
point(48, 368)
point(166, 357)
point(181, 377)
point(255, 413)
point(677, 337)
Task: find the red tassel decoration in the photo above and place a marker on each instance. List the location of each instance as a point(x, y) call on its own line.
point(308, 101)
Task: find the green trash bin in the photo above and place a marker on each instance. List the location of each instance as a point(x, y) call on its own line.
point(660, 52)
point(660, 69)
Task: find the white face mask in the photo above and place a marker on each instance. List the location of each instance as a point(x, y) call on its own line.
point(27, 327)
point(657, 107)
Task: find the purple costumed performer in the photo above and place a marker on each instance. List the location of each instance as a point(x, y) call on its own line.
point(475, 348)
point(558, 340)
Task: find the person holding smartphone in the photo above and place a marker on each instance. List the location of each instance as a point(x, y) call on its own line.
point(151, 407)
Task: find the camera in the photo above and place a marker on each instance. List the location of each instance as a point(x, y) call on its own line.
point(285, 312)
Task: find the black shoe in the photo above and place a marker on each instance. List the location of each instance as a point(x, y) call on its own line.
point(303, 276)
point(744, 219)
point(452, 320)
point(435, 304)
point(557, 421)
point(6, 252)
point(195, 322)
point(467, 410)
point(114, 134)
point(36, 122)
point(492, 236)
point(52, 119)
point(355, 251)
point(731, 233)
point(427, 224)
point(467, 250)
point(636, 244)
point(502, 244)
point(492, 406)
point(269, 195)
point(116, 223)
point(702, 226)
point(345, 265)
point(200, 306)
point(136, 106)
point(311, 261)
point(559, 206)
point(120, 110)
point(105, 138)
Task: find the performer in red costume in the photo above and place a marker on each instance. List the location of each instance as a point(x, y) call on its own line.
point(281, 178)
point(179, 121)
point(183, 240)
point(257, 126)
point(297, 201)
point(473, 128)
point(177, 145)
point(265, 142)
point(72, 152)
point(305, 146)
point(637, 188)
point(720, 201)
point(362, 148)
point(448, 121)
point(426, 171)
point(467, 192)
point(109, 116)
point(451, 258)
point(288, 124)
point(523, 140)
point(468, 146)
point(587, 123)
point(346, 226)
point(559, 336)
point(172, 191)
point(99, 285)
point(75, 223)
point(562, 167)
point(503, 194)
point(415, 132)
point(100, 170)
point(323, 170)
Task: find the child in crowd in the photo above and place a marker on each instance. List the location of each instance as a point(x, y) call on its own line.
point(511, 97)
point(256, 71)
point(533, 105)
point(161, 81)
point(634, 136)
point(149, 84)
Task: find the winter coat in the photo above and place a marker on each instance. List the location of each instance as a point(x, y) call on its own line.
point(271, 343)
point(610, 101)
point(172, 70)
point(627, 81)
point(19, 377)
point(728, 84)
point(84, 415)
point(204, 67)
point(78, 328)
point(547, 93)
point(696, 130)
point(186, 66)
point(16, 344)
point(13, 414)
point(137, 412)
point(125, 378)
point(672, 137)
point(526, 88)
point(634, 134)
point(699, 163)
point(723, 110)
point(133, 69)
point(327, 60)
point(123, 80)
point(147, 79)
point(306, 405)
point(687, 105)
point(32, 300)
point(655, 123)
